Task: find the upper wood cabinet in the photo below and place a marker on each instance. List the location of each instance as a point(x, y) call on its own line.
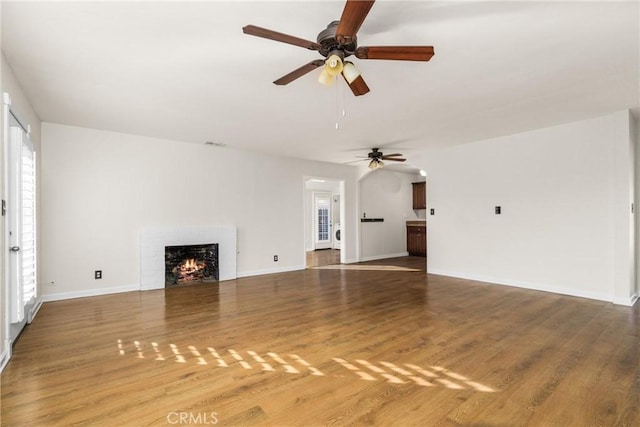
point(419, 195)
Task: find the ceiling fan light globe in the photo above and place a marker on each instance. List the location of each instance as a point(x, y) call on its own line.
point(350, 72)
point(333, 65)
point(375, 164)
point(326, 78)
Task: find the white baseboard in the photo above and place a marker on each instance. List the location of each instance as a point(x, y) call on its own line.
point(132, 288)
point(377, 257)
point(629, 302)
point(269, 271)
point(5, 356)
point(532, 286)
point(34, 310)
point(89, 293)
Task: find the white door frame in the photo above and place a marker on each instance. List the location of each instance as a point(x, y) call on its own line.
point(14, 209)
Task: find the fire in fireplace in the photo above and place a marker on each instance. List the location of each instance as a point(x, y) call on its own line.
point(190, 263)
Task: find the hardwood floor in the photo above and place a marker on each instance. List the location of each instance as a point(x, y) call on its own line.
point(371, 346)
point(323, 257)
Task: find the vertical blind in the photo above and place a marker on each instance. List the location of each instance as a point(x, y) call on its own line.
point(28, 243)
point(323, 220)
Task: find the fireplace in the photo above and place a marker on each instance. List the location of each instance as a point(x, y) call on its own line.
point(154, 240)
point(190, 264)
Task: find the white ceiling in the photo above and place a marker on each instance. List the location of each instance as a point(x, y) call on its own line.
point(186, 71)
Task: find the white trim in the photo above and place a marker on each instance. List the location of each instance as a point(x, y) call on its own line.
point(34, 309)
point(270, 271)
point(628, 302)
point(529, 285)
point(4, 290)
point(377, 257)
point(90, 293)
point(5, 356)
point(6, 100)
point(350, 261)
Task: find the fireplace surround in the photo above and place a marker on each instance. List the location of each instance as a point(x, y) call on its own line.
point(154, 240)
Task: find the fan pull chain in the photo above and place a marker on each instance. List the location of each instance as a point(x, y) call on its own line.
point(337, 104)
point(344, 101)
point(340, 96)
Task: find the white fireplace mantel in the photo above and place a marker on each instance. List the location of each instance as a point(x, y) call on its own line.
point(153, 241)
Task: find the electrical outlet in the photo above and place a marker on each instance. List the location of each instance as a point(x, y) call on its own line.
point(498, 210)
point(98, 274)
point(433, 211)
point(275, 258)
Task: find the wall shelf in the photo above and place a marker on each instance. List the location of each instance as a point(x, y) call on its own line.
point(371, 219)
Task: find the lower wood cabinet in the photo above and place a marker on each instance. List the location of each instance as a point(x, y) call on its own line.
point(417, 240)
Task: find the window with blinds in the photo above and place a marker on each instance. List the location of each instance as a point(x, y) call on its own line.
point(28, 241)
point(323, 222)
point(22, 222)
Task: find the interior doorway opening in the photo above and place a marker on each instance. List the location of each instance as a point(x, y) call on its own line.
point(324, 213)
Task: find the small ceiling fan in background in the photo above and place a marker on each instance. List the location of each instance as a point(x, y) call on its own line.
point(376, 157)
point(339, 41)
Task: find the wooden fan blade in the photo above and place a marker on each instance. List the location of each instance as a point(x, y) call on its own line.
point(353, 15)
point(392, 155)
point(356, 161)
point(299, 72)
point(400, 53)
point(252, 30)
point(393, 159)
point(358, 86)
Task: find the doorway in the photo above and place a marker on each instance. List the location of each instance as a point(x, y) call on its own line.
point(323, 213)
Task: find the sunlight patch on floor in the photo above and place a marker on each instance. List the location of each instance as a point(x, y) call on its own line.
point(362, 267)
point(433, 376)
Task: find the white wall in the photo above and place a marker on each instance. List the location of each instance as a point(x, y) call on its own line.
point(565, 196)
point(19, 103)
point(100, 188)
point(389, 195)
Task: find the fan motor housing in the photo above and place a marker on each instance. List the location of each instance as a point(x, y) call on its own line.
point(327, 40)
point(375, 154)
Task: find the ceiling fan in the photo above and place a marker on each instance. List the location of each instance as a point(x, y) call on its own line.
point(377, 157)
point(339, 41)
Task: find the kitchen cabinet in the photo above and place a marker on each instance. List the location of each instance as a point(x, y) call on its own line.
point(417, 238)
point(419, 195)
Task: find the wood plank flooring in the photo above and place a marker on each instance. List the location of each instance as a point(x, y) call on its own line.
point(323, 257)
point(341, 347)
